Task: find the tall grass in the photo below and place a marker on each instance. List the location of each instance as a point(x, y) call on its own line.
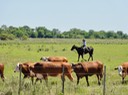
point(111, 52)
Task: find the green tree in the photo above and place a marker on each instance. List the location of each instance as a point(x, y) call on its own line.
point(55, 33)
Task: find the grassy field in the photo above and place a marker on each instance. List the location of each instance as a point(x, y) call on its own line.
point(111, 52)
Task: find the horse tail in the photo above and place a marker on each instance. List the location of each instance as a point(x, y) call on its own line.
point(91, 50)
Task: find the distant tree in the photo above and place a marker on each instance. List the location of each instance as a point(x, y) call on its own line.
point(119, 34)
point(124, 36)
point(110, 34)
point(4, 27)
point(24, 32)
point(3, 36)
point(86, 34)
point(55, 33)
point(42, 32)
point(19, 33)
point(12, 30)
point(34, 34)
point(91, 33)
point(96, 35)
point(102, 34)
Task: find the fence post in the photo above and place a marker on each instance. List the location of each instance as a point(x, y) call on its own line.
point(104, 82)
point(63, 79)
point(19, 80)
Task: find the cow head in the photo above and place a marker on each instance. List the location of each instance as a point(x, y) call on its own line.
point(120, 70)
point(17, 69)
point(76, 66)
point(73, 65)
point(44, 58)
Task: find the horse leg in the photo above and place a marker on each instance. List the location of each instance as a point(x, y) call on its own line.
point(78, 58)
point(83, 57)
point(91, 54)
point(89, 58)
point(92, 57)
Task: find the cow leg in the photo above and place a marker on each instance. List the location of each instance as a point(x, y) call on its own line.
point(2, 77)
point(87, 80)
point(37, 79)
point(46, 79)
point(123, 76)
point(122, 80)
point(98, 79)
point(25, 76)
point(40, 80)
point(101, 75)
point(78, 80)
point(32, 79)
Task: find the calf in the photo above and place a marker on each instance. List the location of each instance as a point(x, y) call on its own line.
point(52, 69)
point(2, 71)
point(54, 59)
point(123, 70)
point(25, 70)
point(86, 69)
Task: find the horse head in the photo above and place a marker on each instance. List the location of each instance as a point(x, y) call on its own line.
point(73, 47)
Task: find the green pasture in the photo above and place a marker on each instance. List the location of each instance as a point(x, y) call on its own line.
point(111, 52)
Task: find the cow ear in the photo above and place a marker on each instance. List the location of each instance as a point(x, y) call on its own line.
point(116, 68)
point(27, 65)
point(79, 63)
point(72, 64)
point(20, 66)
point(41, 58)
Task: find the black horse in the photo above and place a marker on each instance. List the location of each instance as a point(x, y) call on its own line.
point(81, 51)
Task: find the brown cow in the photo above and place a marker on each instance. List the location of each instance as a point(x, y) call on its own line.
point(123, 70)
point(54, 59)
point(25, 69)
point(86, 69)
point(52, 69)
point(2, 71)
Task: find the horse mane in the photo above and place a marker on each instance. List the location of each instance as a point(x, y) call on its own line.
point(76, 46)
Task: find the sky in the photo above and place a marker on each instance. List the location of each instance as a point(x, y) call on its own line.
point(108, 15)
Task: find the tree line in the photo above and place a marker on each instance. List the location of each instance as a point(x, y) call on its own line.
point(24, 32)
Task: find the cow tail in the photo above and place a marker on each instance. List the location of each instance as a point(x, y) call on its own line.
point(101, 70)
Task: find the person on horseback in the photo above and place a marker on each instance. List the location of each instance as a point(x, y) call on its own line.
point(84, 45)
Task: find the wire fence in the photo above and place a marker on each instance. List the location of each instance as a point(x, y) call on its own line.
point(63, 83)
